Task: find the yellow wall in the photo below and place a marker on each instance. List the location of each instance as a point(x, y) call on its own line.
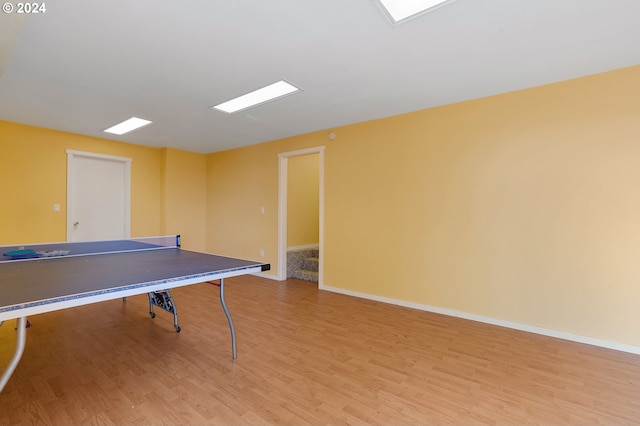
point(522, 207)
point(33, 162)
point(183, 195)
point(239, 183)
point(236, 193)
point(303, 201)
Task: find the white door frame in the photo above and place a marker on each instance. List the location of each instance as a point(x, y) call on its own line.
point(283, 173)
point(71, 154)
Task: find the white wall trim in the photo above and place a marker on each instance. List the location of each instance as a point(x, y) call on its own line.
point(305, 151)
point(269, 276)
point(623, 347)
point(283, 172)
point(72, 152)
point(305, 247)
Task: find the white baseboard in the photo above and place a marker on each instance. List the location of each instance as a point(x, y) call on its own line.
point(265, 275)
point(623, 347)
point(306, 247)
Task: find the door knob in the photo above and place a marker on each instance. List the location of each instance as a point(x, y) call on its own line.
point(76, 223)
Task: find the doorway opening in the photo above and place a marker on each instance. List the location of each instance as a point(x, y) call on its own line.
point(284, 193)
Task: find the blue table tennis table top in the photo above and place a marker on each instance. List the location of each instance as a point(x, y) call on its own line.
point(120, 268)
point(92, 272)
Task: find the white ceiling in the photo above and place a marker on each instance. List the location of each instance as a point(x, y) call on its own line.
point(85, 65)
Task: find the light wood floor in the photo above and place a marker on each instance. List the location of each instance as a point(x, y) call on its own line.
point(305, 357)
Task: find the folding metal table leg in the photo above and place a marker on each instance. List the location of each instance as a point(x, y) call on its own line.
point(231, 327)
point(21, 338)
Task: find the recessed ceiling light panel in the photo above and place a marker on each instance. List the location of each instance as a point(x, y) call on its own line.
point(401, 10)
point(128, 126)
point(257, 97)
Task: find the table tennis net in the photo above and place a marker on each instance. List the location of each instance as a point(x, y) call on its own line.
point(162, 241)
point(87, 248)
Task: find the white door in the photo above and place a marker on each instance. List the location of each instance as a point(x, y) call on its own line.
point(98, 192)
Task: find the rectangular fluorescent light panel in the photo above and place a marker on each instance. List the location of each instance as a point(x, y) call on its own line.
point(267, 93)
point(399, 10)
point(127, 126)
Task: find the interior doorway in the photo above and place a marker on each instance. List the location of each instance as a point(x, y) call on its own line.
point(98, 196)
point(283, 204)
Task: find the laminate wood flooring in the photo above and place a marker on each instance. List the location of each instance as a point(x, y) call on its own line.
point(305, 357)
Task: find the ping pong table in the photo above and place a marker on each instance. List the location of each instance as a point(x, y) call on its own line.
point(47, 277)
